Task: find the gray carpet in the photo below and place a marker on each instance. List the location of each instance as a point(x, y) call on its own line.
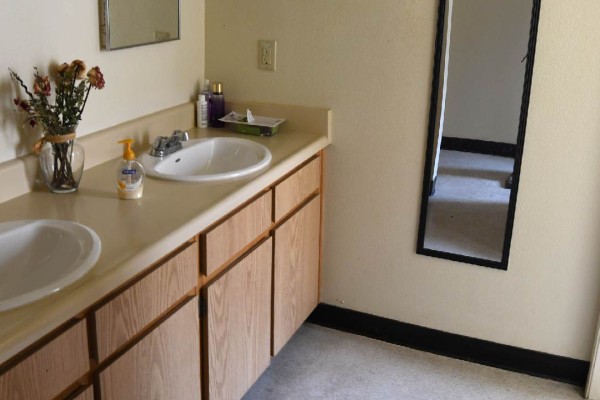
point(320, 363)
point(467, 213)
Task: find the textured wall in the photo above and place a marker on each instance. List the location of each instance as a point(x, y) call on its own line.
point(139, 81)
point(370, 61)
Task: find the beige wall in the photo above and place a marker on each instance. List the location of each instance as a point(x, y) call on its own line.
point(139, 81)
point(485, 81)
point(370, 61)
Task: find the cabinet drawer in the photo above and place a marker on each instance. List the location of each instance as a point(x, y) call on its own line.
point(50, 370)
point(163, 365)
point(127, 314)
point(231, 237)
point(297, 187)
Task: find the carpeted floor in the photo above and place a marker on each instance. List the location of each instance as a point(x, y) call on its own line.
point(324, 364)
point(467, 213)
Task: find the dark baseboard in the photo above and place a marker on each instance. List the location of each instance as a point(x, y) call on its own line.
point(479, 146)
point(497, 355)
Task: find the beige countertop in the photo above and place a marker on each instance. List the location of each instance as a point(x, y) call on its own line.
point(136, 233)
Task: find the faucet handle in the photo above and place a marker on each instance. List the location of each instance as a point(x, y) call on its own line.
point(160, 143)
point(181, 135)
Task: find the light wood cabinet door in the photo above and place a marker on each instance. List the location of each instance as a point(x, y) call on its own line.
point(239, 325)
point(50, 370)
point(164, 365)
point(296, 272)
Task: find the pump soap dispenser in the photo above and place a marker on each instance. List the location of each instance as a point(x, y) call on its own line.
point(130, 174)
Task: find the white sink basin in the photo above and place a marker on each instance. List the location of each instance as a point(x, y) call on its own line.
point(209, 160)
point(40, 257)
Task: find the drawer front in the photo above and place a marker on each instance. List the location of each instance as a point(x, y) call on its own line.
point(297, 187)
point(50, 370)
point(230, 238)
point(127, 314)
point(163, 365)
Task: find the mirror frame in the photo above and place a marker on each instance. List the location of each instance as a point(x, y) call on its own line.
point(105, 28)
point(503, 263)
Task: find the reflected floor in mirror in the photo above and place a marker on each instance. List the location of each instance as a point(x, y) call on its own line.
point(467, 213)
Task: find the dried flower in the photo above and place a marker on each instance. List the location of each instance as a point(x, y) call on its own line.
point(96, 78)
point(21, 103)
point(78, 67)
point(71, 96)
point(41, 86)
point(62, 68)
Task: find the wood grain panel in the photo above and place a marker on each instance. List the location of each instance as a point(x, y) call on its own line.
point(127, 314)
point(50, 370)
point(88, 394)
point(163, 365)
point(227, 240)
point(239, 325)
point(296, 272)
point(296, 188)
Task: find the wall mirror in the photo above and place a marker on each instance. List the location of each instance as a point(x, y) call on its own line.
point(129, 23)
point(483, 64)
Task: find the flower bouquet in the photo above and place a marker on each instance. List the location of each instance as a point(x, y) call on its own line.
point(61, 159)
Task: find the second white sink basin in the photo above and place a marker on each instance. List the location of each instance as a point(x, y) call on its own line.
point(209, 160)
point(40, 257)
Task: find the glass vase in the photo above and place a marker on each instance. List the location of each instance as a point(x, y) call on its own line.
point(61, 159)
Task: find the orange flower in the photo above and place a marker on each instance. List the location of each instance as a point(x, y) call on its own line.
point(78, 67)
point(96, 78)
point(41, 86)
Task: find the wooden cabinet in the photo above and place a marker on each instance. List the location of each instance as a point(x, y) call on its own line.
point(295, 272)
point(51, 370)
point(164, 365)
point(262, 279)
point(127, 314)
point(238, 325)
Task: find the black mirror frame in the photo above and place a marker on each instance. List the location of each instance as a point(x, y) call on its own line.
point(503, 263)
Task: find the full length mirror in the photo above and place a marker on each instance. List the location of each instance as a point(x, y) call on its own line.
point(129, 23)
point(484, 55)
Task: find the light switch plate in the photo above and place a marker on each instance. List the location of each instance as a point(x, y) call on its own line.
point(267, 54)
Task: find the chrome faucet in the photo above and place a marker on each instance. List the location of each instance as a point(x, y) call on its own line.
point(165, 145)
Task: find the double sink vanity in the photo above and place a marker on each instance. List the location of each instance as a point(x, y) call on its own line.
point(197, 285)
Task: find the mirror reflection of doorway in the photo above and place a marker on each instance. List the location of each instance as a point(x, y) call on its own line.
point(480, 99)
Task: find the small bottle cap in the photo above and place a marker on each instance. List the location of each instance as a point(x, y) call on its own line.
point(217, 87)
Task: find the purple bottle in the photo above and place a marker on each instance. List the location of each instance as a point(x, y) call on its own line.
point(217, 106)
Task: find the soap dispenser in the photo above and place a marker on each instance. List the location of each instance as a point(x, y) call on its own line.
point(130, 174)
